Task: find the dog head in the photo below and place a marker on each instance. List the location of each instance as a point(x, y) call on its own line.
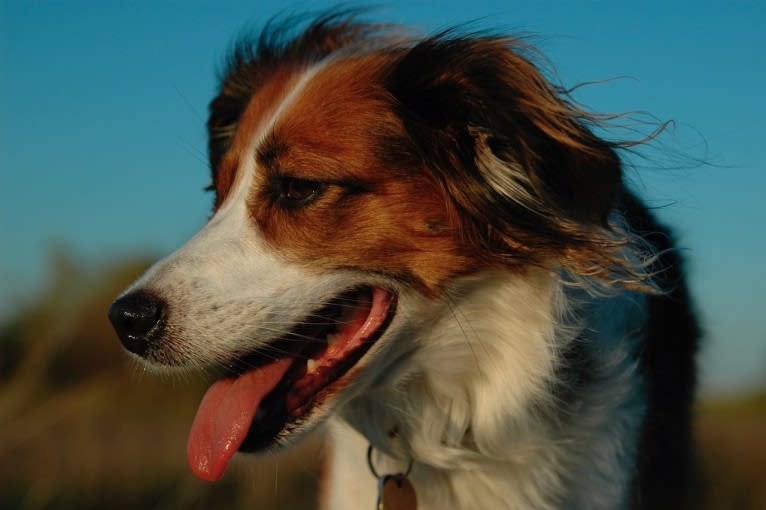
point(358, 175)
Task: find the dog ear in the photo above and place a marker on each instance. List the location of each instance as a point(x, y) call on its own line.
point(479, 110)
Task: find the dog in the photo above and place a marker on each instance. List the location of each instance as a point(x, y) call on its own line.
point(421, 243)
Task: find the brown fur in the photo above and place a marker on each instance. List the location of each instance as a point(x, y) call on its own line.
point(342, 132)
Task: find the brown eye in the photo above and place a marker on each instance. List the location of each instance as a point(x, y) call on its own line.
point(298, 192)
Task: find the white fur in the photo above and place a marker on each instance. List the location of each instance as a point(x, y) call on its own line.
point(471, 404)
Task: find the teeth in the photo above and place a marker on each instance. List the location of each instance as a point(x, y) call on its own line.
point(311, 365)
point(332, 342)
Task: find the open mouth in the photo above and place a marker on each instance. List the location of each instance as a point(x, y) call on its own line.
point(268, 390)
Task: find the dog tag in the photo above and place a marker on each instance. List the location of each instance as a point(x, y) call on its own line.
point(395, 492)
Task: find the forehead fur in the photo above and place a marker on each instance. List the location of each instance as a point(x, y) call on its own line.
point(279, 49)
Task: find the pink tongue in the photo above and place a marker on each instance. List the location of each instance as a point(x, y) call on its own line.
point(224, 417)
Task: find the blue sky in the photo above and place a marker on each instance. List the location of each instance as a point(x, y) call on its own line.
point(102, 147)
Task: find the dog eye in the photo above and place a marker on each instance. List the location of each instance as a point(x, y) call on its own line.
point(299, 192)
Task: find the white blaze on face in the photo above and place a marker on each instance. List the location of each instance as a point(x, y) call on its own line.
point(226, 290)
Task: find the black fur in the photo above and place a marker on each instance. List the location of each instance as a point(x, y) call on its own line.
point(665, 466)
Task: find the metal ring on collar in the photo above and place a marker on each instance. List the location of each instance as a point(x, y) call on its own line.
point(375, 472)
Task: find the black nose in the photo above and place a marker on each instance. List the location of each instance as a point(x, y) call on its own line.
point(136, 318)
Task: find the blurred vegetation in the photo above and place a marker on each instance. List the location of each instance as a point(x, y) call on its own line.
point(83, 427)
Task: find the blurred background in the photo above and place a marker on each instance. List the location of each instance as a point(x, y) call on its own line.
point(102, 161)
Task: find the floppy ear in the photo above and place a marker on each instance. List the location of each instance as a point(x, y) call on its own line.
point(479, 110)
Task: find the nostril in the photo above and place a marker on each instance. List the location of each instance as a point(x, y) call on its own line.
point(136, 319)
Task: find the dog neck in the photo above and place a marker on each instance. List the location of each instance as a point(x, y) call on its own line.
point(505, 401)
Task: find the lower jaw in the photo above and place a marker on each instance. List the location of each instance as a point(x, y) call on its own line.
point(282, 413)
